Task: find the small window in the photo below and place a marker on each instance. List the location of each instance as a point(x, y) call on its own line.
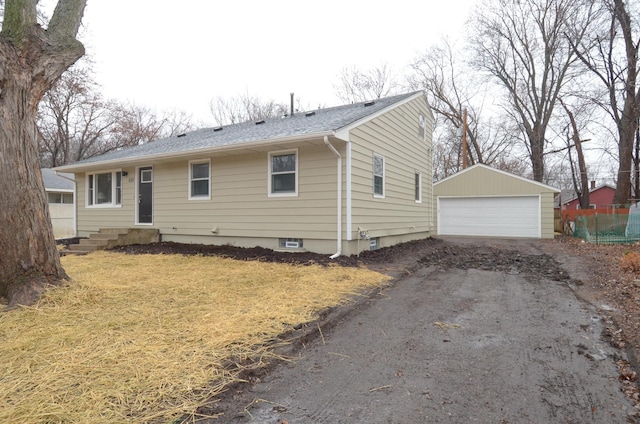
point(291, 243)
point(55, 197)
point(104, 189)
point(283, 173)
point(418, 187)
point(422, 127)
point(199, 180)
point(146, 176)
point(66, 198)
point(378, 176)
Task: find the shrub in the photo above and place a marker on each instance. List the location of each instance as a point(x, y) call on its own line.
point(631, 262)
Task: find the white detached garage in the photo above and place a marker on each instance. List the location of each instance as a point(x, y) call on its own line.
point(483, 201)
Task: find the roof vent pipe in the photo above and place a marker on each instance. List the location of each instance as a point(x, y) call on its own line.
point(292, 103)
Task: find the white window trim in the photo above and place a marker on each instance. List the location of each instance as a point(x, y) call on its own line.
point(196, 162)
point(419, 174)
point(373, 174)
point(113, 190)
point(269, 165)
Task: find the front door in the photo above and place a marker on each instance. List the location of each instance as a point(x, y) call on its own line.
point(145, 195)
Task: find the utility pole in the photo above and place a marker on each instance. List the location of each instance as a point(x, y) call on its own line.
point(464, 139)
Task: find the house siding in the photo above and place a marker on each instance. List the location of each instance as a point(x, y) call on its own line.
point(239, 206)
point(393, 135)
point(483, 181)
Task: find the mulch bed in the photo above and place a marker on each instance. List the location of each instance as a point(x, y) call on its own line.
point(369, 257)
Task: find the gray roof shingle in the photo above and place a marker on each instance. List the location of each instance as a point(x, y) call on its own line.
point(53, 181)
point(299, 125)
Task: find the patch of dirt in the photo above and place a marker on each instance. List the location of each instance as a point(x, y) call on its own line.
point(370, 257)
point(595, 273)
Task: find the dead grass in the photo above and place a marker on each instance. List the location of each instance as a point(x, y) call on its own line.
point(145, 338)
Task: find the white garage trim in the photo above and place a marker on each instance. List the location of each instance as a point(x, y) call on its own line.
point(494, 216)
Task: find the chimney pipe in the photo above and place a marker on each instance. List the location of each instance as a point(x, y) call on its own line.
point(593, 184)
point(291, 103)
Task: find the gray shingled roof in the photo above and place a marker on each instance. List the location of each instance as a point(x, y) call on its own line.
point(300, 124)
point(54, 182)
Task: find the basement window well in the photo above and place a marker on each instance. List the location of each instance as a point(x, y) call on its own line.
point(291, 243)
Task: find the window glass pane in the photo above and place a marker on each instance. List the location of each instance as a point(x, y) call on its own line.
point(145, 176)
point(378, 165)
point(377, 185)
point(199, 170)
point(200, 188)
point(103, 188)
point(67, 198)
point(118, 188)
point(418, 187)
point(90, 194)
point(283, 163)
point(54, 197)
point(283, 183)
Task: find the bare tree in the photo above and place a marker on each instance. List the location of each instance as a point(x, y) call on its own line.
point(611, 54)
point(75, 122)
point(31, 60)
point(138, 125)
point(523, 46)
point(358, 85)
point(73, 119)
point(451, 88)
point(243, 108)
point(581, 182)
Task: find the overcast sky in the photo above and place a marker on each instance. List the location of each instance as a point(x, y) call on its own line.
point(179, 55)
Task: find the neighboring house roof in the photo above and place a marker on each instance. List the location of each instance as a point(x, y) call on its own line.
point(565, 193)
point(569, 195)
point(334, 121)
point(498, 171)
point(57, 181)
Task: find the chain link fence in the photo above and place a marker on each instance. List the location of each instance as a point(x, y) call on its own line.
point(606, 226)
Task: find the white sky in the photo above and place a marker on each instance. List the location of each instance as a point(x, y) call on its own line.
point(179, 55)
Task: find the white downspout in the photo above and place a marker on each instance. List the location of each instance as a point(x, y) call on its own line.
point(335, 152)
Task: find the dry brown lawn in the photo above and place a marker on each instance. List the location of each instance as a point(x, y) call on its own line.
point(150, 338)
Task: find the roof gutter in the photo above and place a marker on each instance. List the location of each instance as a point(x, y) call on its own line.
point(339, 217)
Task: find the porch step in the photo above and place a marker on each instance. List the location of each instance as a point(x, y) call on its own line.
point(108, 238)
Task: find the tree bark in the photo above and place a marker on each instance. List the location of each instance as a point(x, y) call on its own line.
point(631, 108)
point(31, 59)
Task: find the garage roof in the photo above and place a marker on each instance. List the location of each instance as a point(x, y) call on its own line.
point(481, 179)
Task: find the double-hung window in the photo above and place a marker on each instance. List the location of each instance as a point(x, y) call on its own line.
point(378, 176)
point(104, 189)
point(200, 180)
point(283, 173)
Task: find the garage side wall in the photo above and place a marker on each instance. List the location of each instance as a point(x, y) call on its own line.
point(482, 180)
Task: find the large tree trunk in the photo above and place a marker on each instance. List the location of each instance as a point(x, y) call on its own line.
point(628, 121)
point(31, 59)
point(29, 256)
point(626, 132)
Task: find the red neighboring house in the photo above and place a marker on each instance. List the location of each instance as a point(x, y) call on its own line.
point(599, 198)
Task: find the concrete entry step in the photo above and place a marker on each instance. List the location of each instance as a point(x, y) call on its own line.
point(108, 238)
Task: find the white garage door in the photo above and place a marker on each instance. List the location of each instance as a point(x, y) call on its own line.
point(517, 216)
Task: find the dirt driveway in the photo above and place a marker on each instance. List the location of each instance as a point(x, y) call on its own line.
point(472, 331)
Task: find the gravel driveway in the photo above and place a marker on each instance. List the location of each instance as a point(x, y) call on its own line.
point(480, 331)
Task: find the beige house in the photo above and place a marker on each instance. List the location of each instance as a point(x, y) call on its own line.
point(483, 201)
point(337, 181)
point(60, 194)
